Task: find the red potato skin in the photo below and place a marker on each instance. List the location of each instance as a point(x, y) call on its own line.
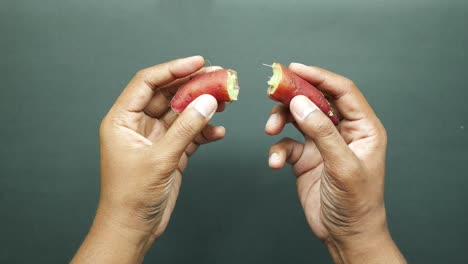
point(292, 85)
point(213, 83)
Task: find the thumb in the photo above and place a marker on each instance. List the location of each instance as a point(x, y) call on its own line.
point(189, 124)
point(316, 125)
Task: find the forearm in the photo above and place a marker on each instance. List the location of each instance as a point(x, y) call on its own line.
point(380, 250)
point(107, 242)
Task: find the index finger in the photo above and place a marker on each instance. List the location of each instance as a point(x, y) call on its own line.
point(160, 102)
point(141, 88)
point(350, 102)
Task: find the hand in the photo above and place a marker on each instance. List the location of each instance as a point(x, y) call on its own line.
point(340, 170)
point(145, 147)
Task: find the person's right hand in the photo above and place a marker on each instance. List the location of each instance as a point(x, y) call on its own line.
point(340, 170)
point(145, 147)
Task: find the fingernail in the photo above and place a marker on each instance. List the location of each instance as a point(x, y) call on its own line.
point(222, 130)
point(301, 107)
point(205, 105)
point(194, 57)
point(188, 61)
point(214, 68)
point(272, 120)
point(274, 159)
point(296, 64)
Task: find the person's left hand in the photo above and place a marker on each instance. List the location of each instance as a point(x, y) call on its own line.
point(340, 169)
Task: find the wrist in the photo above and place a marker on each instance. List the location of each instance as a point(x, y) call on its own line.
point(125, 225)
point(373, 248)
point(111, 241)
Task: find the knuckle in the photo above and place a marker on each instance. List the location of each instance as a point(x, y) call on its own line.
point(274, 148)
point(103, 126)
point(350, 84)
point(142, 73)
point(277, 108)
point(108, 122)
point(383, 135)
point(323, 128)
point(280, 145)
point(186, 129)
point(380, 132)
point(117, 121)
point(284, 140)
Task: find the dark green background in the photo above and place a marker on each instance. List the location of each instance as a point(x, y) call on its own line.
point(63, 63)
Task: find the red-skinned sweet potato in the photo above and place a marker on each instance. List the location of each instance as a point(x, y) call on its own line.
point(221, 84)
point(285, 85)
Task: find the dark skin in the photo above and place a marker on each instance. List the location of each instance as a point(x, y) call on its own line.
point(340, 170)
point(145, 147)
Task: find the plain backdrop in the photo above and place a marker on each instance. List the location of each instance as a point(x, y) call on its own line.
point(64, 62)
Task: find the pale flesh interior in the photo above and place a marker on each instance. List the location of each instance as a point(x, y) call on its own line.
point(275, 79)
point(232, 85)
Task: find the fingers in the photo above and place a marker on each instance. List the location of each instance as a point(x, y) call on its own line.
point(141, 88)
point(161, 99)
point(317, 126)
point(170, 116)
point(279, 117)
point(349, 101)
point(189, 124)
point(174, 86)
point(209, 134)
point(286, 150)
